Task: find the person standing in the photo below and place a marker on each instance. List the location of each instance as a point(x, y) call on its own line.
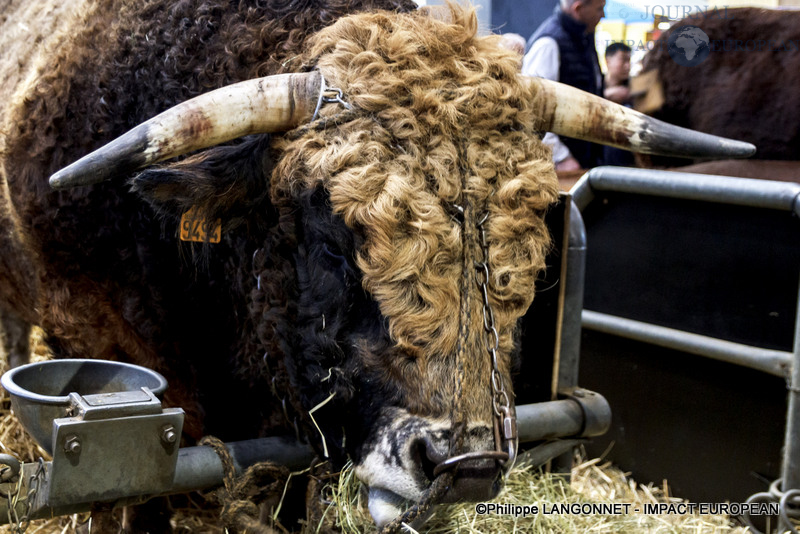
point(617, 81)
point(562, 49)
point(617, 89)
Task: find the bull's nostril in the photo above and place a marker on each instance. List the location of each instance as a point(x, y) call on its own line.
point(475, 480)
point(427, 456)
point(479, 488)
point(469, 457)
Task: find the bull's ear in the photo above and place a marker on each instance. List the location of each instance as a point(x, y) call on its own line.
point(223, 182)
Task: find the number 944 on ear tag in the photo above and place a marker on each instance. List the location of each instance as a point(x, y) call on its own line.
point(197, 228)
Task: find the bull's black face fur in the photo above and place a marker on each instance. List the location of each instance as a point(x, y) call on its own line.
point(324, 323)
point(336, 319)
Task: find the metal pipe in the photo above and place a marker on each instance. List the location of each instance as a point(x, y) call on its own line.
point(790, 468)
point(791, 458)
point(774, 362)
point(569, 358)
point(541, 421)
point(549, 420)
point(582, 193)
point(790, 480)
point(543, 453)
point(749, 192)
point(199, 468)
point(570, 333)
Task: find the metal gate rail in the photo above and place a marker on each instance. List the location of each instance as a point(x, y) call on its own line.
point(780, 196)
point(774, 362)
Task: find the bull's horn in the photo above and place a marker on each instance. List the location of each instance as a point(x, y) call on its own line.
point(574, 113)
point(263, 105)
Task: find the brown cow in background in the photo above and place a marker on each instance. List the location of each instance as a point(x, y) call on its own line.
point(745, 89)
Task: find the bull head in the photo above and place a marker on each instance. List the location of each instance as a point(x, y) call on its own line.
point(436, 166)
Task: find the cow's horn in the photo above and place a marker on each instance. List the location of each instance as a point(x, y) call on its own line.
point(263, 105)
point(575, 113)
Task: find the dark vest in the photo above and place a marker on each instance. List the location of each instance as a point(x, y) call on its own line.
point(579, 67)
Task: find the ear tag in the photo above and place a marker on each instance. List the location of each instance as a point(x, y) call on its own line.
point(196, 228)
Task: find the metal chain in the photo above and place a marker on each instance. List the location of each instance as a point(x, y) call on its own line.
point(20, 522)
point(788, 502)
point(10, 483)
point(501, 403)
point(334, 95)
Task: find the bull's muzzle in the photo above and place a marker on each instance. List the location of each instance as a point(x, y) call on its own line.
point(477, 478)
point(410, 453)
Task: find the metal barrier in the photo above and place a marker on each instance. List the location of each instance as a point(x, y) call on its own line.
point(778, 196)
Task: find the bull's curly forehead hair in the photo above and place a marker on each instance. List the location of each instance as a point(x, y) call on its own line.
point(439, 118)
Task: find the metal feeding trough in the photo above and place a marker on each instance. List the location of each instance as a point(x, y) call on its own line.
point(44, 391)
point(92, 413)
point(111, 441)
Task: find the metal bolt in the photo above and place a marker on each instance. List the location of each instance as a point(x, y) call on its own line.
point(72, 445)
point(579, 393)
point(168, 434)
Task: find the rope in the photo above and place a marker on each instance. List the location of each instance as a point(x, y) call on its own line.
point(240, 496)
point(324, 123)
point(431, 496)
point(316, 506)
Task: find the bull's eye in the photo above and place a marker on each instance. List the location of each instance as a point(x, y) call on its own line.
point(334, 256)
point(333, 259)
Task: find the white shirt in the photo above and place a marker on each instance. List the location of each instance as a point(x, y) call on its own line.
point(544, 60)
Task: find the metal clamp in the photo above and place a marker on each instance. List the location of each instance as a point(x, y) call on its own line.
point(113, 430)
point(786, 501)
point(595, 408)
point(328, 95)
point(117, 404)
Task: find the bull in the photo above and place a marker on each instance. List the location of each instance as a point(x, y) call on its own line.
point(744, 89)
point(344, 167)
